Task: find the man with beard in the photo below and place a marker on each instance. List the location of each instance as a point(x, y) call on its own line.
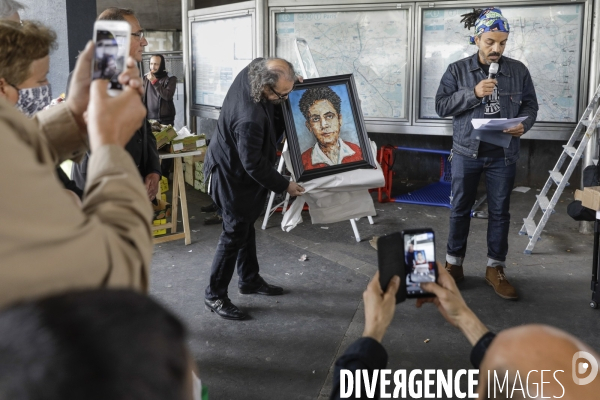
point(465, 93)
point(240, 170)
point(321, 107)
point(159, 89)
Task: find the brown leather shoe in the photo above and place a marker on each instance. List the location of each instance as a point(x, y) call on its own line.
point(496, 278)
point(456, 271)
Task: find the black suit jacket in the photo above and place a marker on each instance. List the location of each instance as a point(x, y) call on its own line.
point(141, 146)
point(143, 152)
point(242, 153)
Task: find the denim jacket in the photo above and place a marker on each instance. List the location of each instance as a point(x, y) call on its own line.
point(456, 97)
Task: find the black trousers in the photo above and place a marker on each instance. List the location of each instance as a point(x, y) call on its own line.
point(237, 245)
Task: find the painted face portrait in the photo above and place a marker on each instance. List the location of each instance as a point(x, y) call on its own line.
point(324, 122)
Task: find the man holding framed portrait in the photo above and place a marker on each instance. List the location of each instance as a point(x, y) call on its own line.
point(239, 166)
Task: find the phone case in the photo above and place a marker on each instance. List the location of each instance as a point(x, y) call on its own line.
point(390, 261)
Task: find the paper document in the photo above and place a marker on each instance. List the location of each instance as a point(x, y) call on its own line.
point(496, 137)
point(496, 124)
point(490, 130)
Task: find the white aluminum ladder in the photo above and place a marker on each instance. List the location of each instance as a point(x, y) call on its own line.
point(589, 119)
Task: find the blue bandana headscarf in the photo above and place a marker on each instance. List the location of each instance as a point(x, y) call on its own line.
point(490, 20)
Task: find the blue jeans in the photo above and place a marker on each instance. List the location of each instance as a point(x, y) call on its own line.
point(499, 181)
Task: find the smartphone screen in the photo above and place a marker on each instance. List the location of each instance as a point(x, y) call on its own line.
point(112, 48)
point(419, 260)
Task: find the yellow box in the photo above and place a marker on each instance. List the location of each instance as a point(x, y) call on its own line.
point(164, 184)
point(159, 232)
point(163, 197)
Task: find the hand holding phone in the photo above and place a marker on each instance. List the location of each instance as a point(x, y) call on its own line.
point(410, 254)
point(379, 307)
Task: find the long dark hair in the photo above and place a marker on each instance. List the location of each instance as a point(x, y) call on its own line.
point(470, 19)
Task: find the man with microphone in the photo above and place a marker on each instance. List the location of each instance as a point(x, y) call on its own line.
point(485, 85)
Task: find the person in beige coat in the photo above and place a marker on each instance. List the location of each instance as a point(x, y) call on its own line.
point(48, 244)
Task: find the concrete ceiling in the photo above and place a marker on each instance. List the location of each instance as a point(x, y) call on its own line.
point(158, 14)
point(152, 14)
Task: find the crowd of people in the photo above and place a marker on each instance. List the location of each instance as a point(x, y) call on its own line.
point(76, 319)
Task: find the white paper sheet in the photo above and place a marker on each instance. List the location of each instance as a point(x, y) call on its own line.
point(335, 198)
point(496, 124)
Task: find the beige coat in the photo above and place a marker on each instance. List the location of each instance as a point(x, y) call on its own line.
point(47, 243)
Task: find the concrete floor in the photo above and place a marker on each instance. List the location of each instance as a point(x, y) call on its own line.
point(287, 348)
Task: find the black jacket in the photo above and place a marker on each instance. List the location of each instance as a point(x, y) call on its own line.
point(142, 150)
point(158, 98)
point(242, 153)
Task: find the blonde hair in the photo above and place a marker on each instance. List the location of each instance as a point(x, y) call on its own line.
point(20, 45)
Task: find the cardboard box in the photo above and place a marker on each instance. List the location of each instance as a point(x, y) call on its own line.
point(164, 184)
point(187, 143)
point(165, 136)
point(188, 176)
point(578, 194)
point(159, 222)
point(591, 197)
point(200, 185)
point(199, 175)
point(191, 160)
point(162, 211)
point(199, 165)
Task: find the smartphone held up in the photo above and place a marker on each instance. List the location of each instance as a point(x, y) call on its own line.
point(410, 254)
point(111, 40)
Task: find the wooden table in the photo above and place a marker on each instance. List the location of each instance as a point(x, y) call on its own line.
point(178, 193)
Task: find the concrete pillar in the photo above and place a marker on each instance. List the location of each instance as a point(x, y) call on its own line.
point(73, 22)
point(591, 151)
point(187, 5)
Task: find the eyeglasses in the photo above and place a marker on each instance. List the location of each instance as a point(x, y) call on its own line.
point(139, 35)
point(281, 97)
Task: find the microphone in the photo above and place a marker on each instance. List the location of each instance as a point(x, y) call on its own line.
point(491, 75)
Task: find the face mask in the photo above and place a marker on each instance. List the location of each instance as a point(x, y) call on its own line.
point(33, 100)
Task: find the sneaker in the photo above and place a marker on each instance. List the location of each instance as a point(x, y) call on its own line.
point(456, 271)
point(496, 278)
point(213, 220)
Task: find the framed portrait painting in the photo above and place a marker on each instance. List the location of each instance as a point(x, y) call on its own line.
point(325, 128)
